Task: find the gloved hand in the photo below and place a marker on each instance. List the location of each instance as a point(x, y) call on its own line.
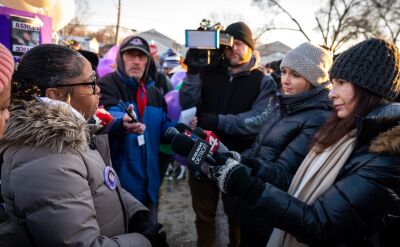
point(234, 178)
point(140, 223)
point(190, 60)
point(236, 156)
point(208, 121)
point(156, 237)
point(254, 164)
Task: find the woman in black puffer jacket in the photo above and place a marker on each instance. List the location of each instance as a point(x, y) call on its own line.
point(302, 107)
point(348, 186)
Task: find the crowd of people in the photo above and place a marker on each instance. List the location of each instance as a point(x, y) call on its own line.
point(311, 152)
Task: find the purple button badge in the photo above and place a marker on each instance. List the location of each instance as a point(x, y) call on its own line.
point(110, 178)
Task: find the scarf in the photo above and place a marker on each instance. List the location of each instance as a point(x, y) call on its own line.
point(315, 176)
point(141, 99)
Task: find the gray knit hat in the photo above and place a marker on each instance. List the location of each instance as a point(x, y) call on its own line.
point(373, 64)
point(310, 61)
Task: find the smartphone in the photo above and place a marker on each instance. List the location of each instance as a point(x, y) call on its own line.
point(123, 106)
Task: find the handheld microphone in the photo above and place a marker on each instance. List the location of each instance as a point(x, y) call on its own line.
point(184, 129)
point(212, 139)
point(196, 151)
point(169, 134)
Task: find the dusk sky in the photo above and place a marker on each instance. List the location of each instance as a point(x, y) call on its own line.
point(172, 17)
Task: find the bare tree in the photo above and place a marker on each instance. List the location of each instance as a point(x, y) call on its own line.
point(275, 4)
point(339, 21)
point(76, 27)
point(105, 35)
point(387, 16)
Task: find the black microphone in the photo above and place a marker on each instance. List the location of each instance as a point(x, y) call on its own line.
point(196, 151)
point(206, 135)
point(182, 128)
point(200, 133)
point(169, 134)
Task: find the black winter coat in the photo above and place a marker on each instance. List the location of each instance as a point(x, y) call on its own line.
point(285, 139)
point(366, 191)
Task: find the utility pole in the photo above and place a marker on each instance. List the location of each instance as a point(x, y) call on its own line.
point(118, 17)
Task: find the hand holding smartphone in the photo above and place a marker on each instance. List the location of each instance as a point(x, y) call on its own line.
point(130, 113)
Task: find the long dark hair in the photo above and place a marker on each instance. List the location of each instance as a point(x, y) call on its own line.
point(42, 67)
point(336, 128)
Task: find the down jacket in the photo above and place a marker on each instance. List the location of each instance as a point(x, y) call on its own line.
point(52, 181)
point(285, 138)
point(365, 193)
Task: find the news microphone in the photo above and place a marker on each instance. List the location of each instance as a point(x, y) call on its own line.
point(184, 129)
point(196, 151)
point(212, 139)
point(169, 134)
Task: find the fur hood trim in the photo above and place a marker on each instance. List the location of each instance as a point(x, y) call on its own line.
point(53, 126)
point(387, 142)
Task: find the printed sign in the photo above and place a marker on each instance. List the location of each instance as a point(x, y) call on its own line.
point(25, 34)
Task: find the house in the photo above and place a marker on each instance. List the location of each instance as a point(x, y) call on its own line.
point(162, 41)
point(272, 51)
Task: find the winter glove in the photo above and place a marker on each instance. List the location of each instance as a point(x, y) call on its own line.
point(208, 121)
point(192, 55)
point(236, 156)
point(140, 223)
point(234, 178)
point(156, 237)
point(254, 164)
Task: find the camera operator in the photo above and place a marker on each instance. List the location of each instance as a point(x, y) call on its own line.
point(233, 98)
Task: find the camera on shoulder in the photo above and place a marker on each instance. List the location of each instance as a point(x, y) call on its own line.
point(206, 44)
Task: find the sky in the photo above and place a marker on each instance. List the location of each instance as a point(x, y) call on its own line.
point(172, 17)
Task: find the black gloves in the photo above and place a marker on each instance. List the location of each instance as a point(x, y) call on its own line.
point(254, 164)
point(208, 121)
point(234, 178)
point(140, 223)
point(192, 55)
point(156, 238)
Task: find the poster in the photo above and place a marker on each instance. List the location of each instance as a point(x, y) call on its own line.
point(25, 34)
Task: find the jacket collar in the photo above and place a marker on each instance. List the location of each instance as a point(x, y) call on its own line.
point(381, 128)
point(54, 126)
point(315, 98)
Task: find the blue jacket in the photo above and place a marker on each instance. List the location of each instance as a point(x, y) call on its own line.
point(137, 166)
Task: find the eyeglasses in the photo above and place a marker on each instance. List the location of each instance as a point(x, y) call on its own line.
point(92, 83)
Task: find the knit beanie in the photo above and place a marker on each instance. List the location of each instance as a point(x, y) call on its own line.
point(310, 61)
point(6, 67)
point(242, 32)
point(373, 65)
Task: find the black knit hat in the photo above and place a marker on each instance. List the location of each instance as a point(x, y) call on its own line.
point(373, 64)
point(242, 32)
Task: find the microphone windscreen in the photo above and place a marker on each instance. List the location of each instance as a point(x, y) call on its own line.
point(181, 127)
point(182, 145)
point(170, 133)
point(200, 133)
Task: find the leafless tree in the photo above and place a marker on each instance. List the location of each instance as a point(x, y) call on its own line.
point(387, 16)
point(76, 26)
point(339, 21)
point(105, 35)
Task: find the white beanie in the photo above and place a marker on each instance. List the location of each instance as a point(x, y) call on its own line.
point(310, 61)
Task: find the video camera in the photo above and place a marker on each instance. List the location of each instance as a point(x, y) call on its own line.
point(205, 44)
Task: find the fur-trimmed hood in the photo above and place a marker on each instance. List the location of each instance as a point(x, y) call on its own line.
point(384, 124)
point(54, 126)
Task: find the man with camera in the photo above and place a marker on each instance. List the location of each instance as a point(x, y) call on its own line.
point(233, 97)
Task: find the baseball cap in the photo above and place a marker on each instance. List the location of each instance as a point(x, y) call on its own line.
point(138, 44)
